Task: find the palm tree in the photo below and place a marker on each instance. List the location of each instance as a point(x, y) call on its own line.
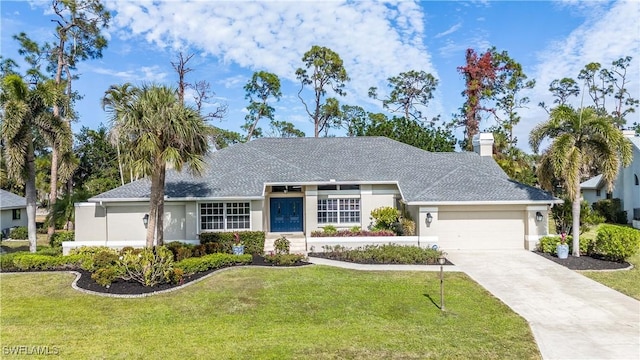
point(117, 96)
point(160, 131)
point(27, 113)
point(579, 139)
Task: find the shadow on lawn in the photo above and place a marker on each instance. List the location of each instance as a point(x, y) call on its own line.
point(428, 296)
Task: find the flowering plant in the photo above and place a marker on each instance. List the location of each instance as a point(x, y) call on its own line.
point(237, 241)
point(563, 238)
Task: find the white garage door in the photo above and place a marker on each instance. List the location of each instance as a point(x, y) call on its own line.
point(487, 230)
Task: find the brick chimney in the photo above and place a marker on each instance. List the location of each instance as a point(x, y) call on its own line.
point(483, 144)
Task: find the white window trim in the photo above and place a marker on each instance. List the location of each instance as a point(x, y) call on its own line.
point(338, 222)
point(224, 216)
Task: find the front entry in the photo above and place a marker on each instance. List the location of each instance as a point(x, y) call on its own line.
point(286, 214)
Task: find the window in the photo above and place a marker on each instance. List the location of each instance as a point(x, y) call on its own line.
point(598, 192)
point(339, 187)
point(225, 216)
point(15, 214)
point(338, 211)
point(636, 177)
point(609, 195)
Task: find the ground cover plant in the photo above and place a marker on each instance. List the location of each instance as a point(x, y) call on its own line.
point(381, 254)
point(258, 313)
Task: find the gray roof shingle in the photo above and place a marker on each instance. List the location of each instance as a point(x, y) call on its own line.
point(242, 170)
point(10, 200)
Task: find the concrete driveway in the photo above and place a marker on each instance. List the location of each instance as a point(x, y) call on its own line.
point(571, 316)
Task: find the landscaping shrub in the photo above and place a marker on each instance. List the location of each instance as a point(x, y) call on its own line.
point(212, 261)
point(349, 233)
point(95, 257)
point(386, 254)
point(253, 240)
point(355, 229)
point(107, 275)
point(548, 245)
point(384, 218)
point(199, 250)
point(57, 251)
point(180, 250)
point(612, 211)
point(563, 216)
point(59, 236)
point(19, 233)
point(408, 227)
point(28, 261)
point(6, 262)
point(283, 259)
point(329, 229)
point(617, 242)
point(282, 245)
point(149, 267)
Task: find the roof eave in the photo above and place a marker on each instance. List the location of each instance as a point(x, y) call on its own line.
point(501, 202)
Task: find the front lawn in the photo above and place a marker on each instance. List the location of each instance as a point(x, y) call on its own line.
point(310, 312)
point(625, 281)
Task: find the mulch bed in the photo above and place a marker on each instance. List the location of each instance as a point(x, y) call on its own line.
point(586, 262)
point(121, 287)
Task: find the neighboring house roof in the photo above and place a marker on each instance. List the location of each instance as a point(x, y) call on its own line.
point(594, 183)
point(243, 170)
point(11, 201)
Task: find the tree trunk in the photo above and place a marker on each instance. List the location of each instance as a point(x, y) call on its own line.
point(120, 162)
point(160, 224)
point(156, 206)
point(30, 192)
point(53, 191)
point(575, 212)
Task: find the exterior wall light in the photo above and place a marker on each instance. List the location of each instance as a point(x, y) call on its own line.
point(429, 218)
point(145, 220)
point(539, 216)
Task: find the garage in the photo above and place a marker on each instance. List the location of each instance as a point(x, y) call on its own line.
point(483, 230)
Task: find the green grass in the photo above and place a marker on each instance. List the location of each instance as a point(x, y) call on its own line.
point(245, 313)
point(625, 281)
point(23, 245)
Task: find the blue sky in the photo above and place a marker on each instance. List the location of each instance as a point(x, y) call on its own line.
point(376, 40)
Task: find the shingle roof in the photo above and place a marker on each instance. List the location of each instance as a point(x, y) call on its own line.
point(593, 183)
point(11, 201)
point(242, 170)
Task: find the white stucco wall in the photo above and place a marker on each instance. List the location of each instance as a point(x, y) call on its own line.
point(90, 222)
point(481, 226)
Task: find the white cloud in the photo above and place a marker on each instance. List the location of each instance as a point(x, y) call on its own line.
point(375, 40)
point(605, 36)
point(449, 31)
point(146, 74)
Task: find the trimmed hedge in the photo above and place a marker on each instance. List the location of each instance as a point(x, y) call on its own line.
point(253, 240)
point(213, 261)
point(24, 261)
point(548, 244)
point(59, 236)
point(350, 233)
point(617, 242)
point(384, 254)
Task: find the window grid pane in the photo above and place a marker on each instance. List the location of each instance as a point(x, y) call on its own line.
point(338, 211)
point(238, 216)
point(214, 216)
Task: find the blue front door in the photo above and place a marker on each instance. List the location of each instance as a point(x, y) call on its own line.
point(286, 214)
